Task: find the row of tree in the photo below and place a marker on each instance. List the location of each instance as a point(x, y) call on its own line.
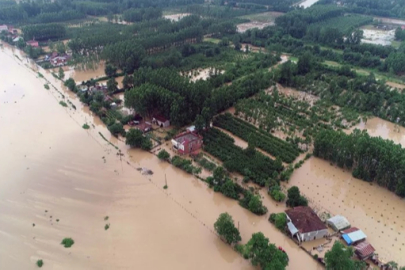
point(372, 159)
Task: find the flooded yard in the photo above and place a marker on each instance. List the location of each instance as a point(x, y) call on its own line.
point(64, 181)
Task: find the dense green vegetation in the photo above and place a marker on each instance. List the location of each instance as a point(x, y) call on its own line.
point(294, 197)
point(262, 253)
point(67, 242)
point(226, 229)
point(340, 257)
point(369, 158)
point(135, 138)
point(252, 164)
point(265, 141)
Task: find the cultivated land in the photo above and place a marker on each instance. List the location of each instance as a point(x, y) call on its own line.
point(271, 89)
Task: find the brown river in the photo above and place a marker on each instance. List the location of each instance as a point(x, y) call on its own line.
point(58, 180)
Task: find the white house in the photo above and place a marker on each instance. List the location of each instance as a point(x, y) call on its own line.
point(304, 224)
point(160, 121)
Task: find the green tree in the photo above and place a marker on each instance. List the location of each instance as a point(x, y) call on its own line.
point(60, 47)
point(228, 189)
point(70, 84)
point(340, 258)
point(295, 198)
point(116, 129)
point(110, 70)
point(264, 254)
point(128, 81)
point(112, 85)
point(255, 204)
point(226, 229)
point(61, 73)
point(199, 123)
point(219, 174)
point(281, 221)
point(163, 155)
point(146, 144)
point(134, 138)
point(304, 64)
point(110, 16)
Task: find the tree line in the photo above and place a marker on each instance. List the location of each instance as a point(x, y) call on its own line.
point(371, 159)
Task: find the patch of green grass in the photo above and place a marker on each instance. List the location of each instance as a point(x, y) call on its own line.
point(107, 226)
point(85, 126)
point(40, 263)
point(333, 63)
point(212, 40)
point(46, 86)
point(63, 103)
point(67, 242)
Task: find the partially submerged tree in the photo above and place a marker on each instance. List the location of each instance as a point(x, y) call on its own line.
point(295, 198)
point(225, 227)
point(340, 258)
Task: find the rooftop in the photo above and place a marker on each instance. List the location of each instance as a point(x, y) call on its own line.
point(364, 249)
point(187, 137)
point(160, 118)
point(339, 222)
point(350, 230)
point(305, 219)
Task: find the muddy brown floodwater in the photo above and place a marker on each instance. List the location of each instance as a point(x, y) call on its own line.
point(373, 209)
point(58, 180)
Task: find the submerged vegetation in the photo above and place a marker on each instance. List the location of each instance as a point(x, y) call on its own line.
point(67, 242)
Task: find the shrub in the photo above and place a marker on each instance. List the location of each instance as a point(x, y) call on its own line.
point(67, 242)
point(116, 129)
point(63, 103)
point(163, 155)
point(46, 86)
point(107, 226)
point(85, 126)
point(40, 263)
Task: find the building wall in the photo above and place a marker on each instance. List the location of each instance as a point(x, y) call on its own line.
point(310, 236)
point(192, 146)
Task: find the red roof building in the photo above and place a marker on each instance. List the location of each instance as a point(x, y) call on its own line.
point(187, 143)
point(364, 250)
point(350, 230)
point(32, 43)
point(144, 127)
point(305, 224)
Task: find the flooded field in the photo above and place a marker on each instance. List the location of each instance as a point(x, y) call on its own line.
point(243, 27)
point(201, 74)
point(307, 3)
point(378, 36)
point(386, 130)
point(176, 17)
point(63, 181)
point(375, 210)
point(80, 74)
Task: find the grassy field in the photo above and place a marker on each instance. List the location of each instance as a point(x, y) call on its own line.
point(212, 40)
point(344, 23)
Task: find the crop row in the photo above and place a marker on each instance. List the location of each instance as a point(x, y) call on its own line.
point(256, 166)
point(265, 141)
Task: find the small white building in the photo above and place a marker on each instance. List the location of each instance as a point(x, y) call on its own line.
point(304, 224)
point(3, 28)
point(160, 121)
point(338, 223)
point(17, 39)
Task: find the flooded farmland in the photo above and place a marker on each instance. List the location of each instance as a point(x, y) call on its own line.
point(375, 210)
point(64, 181)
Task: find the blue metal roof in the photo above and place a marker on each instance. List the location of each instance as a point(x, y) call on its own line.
point(293, 230)
point(347, 239)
